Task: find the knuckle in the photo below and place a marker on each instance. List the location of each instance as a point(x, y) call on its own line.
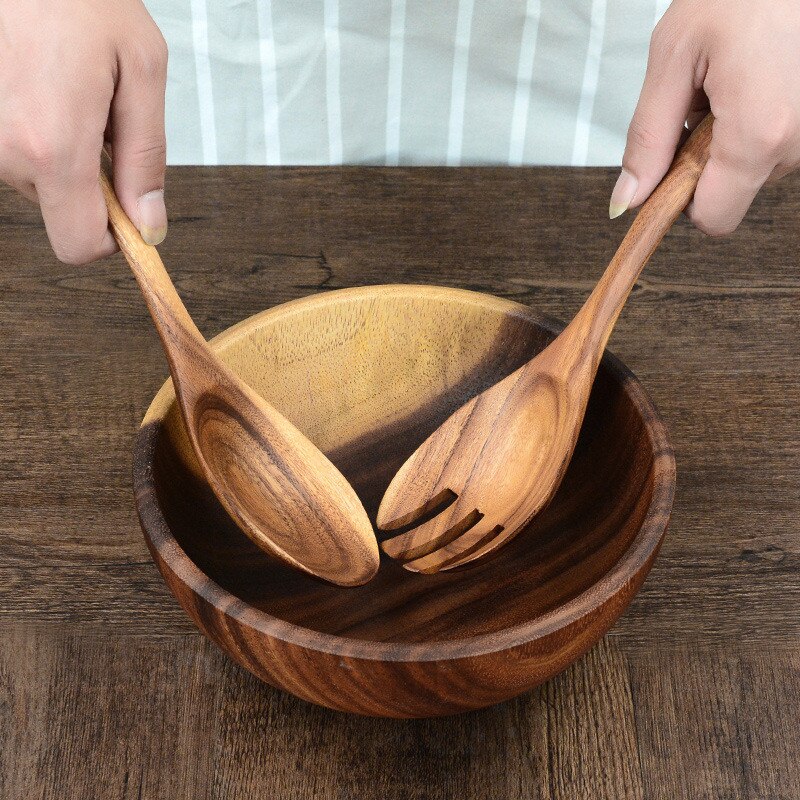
point(161, 50)
point(642, 134)
point(148, 58)
point(737, 154)
point(150, 153)
point(667, 41)
point(774, 134)
point(674, 42)
point(662, 35)
point(43, 151)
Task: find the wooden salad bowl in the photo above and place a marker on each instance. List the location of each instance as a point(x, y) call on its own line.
point(367, 374)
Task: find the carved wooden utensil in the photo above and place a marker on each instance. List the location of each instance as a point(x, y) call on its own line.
point(280, 489)
point(481, 477)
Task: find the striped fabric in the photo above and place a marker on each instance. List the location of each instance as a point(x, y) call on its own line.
point(403, 81)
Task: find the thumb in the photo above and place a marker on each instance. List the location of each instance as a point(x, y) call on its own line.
point(658, 120)
point(139, 142)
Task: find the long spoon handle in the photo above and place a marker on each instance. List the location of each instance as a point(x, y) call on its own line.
point(659, 212)
point(175, 327)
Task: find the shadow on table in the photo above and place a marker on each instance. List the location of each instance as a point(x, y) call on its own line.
point(288, 748)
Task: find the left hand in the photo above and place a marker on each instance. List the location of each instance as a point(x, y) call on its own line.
point(741, 61)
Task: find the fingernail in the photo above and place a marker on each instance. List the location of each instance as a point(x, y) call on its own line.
point(624, 190)
point(153, 217)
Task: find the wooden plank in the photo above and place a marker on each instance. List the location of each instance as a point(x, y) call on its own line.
point(592, 729)
point(688, 719)
point(105, 718)
point(119, 716)
point(770, 734)
point(718, 722)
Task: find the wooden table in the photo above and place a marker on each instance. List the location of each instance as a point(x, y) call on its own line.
point(106, 689)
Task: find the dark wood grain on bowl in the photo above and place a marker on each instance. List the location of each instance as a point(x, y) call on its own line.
point(405, 644)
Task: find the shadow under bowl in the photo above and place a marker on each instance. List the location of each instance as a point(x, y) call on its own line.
point(367, 374)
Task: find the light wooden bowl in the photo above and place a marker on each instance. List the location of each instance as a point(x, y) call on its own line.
point(367, 374)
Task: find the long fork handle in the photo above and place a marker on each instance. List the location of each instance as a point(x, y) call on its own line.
point(659, 212)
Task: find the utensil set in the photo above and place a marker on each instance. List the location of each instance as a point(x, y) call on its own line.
point(474, 484)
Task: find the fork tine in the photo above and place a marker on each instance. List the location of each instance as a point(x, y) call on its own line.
point(469, 546)
point(429, 537)
point(436, 505)
point(424, 475)
point(470, 554)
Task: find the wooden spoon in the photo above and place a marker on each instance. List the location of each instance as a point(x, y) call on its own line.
point(498, 460)
point(279, 488)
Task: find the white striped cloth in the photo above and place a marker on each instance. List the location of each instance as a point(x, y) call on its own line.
point(403, 81)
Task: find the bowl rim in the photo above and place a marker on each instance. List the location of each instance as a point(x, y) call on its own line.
point(637, 557)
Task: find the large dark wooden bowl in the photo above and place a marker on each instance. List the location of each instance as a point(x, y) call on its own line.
point(367, 374)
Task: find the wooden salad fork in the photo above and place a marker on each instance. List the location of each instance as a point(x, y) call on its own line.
point(492, 466)
point(279, 488)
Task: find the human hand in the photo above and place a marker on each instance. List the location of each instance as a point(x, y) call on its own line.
point(741, 60)
point(71, 75)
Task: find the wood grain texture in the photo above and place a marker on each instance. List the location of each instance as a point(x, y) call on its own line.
point(84, 365)
point(147, 718)
point(273, 481)
point(367, 374)
point(479, 479)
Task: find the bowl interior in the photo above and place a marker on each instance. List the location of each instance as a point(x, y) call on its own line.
point(367, 375)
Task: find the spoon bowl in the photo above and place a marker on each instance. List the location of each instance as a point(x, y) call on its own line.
point(278, 487)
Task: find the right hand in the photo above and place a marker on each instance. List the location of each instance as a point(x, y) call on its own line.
point(71, 76)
